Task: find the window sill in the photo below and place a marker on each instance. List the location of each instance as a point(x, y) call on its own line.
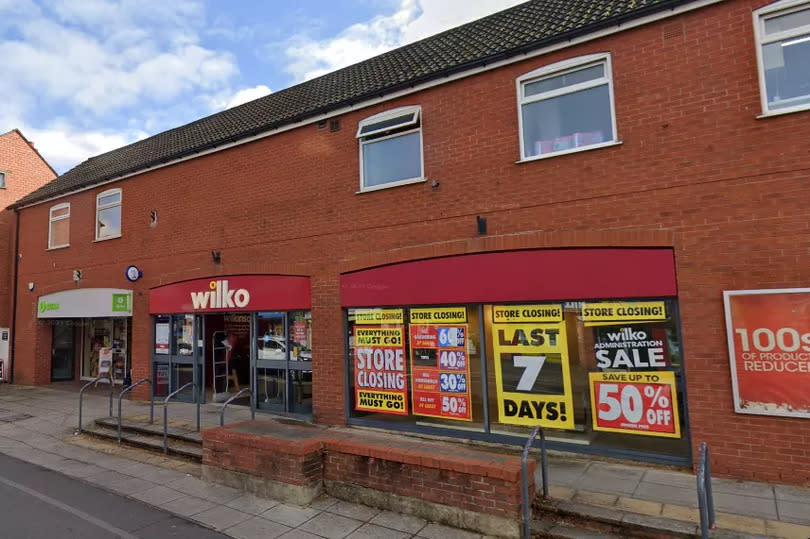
point(107, 238)
point(570, 151)
point(772, 113)
point(390, 185)
point(57, 247)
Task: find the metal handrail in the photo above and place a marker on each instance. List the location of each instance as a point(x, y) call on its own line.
point(151, 403)
point(227, 402)
point(81, 396)
point(166, 415)
point(704, 487)
point(524, 472)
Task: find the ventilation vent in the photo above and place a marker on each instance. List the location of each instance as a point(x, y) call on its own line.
point(321, 124)
point(673, 31)
point(334, 125)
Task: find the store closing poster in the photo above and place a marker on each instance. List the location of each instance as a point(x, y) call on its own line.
point(635, 393)
point(380, 368)
point(440, 363)
point(532, 372)
point(769, 349)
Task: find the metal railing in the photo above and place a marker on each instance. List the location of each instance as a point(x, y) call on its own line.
point(166, 414)
point(81, 396)
point(151, 402)
point(704, 488)
point(227, 402)
point(524, 472)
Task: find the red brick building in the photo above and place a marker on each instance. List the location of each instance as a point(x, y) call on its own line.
point(528, 219)
point(22, 170)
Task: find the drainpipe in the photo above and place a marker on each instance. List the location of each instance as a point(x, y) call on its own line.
point(14, 295)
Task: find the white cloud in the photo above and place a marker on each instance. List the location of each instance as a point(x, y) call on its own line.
point(248, 94)
point(63, 146)
point(413, 20)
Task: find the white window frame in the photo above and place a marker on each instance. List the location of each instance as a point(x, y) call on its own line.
point(760, 16)
point(100, 207)
point(3, 178)
point(561, 68)
point(52, 220)
point(400, 129)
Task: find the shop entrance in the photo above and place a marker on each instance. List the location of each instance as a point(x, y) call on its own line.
point(63, 351)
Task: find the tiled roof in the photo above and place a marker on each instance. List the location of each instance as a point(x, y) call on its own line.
point(525, 27)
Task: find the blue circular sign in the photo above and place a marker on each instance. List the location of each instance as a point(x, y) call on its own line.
point(133, 273)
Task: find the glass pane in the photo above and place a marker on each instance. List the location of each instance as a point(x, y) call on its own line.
point(60, 232)
point(393, 159)
point(789, 21)
point(389, 123)
point(787, 72)
point(567, 79)
point(109, 199)
point(60, 212)
point(182, 375)
point(109, 222)
point(568, 121)
point(160, 373)
point(2, 180)
point(270, 384)
point(184, 335)
point(300, 336)
point(301, 391)
point(270, 334)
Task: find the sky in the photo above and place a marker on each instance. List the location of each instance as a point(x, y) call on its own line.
point(82, 77)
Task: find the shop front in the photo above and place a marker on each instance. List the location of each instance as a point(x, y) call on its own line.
point(583, 342)
point(91, 332)
point(225, 334)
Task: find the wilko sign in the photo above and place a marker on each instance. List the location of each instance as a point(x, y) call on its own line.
point(219, 296)
point(232, 293)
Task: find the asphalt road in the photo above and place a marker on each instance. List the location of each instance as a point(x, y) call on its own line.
point(39, 503)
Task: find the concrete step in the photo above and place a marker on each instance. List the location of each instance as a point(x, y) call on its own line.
point(560, 518)
point(154, 442)
point(155, 429)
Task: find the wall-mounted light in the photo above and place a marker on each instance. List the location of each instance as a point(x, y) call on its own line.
point(31, 286)
point(77, 275)
point(153, 218)
point(482, 224)
point(216, 256)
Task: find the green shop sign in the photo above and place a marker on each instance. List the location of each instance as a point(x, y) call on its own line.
point(45, 306)
point(121, 303)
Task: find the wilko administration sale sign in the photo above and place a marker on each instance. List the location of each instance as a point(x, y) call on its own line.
point(380, 369)
point(635, 403)
point(769, 350)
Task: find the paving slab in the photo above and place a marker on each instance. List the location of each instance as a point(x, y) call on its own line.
point(743, 488)
point(188, 505)
point(437, 531)
point(745, 505)
point(249, 503)
point(331, 526)
point(290, 515)
point(158, 495)
point(397, 521)
point(299, 534)
point(354, 510)
point(257, 528)
point(372, 531)
point(666, 494)
point(220, 517)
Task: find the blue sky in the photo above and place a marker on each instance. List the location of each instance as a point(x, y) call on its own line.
point(81, 77)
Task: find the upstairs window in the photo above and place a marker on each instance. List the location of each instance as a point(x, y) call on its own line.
point(391, 148)
point(108, 214)
point(783, 52)
point(566, 107)
point(2, 180)
point(59, 226)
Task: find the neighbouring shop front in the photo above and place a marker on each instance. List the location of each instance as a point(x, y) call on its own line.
point(583, 342)
point(91, 332)
point(224, 334)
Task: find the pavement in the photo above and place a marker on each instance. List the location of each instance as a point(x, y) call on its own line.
point(37, 425)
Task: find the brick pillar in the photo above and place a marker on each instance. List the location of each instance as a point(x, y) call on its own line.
point(328, 398)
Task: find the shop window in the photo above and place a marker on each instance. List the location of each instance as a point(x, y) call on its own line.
point(604, 374)
point(566, 107)
point(108, 214)
point(783, 49)
point(391, 148)
point(59, 226)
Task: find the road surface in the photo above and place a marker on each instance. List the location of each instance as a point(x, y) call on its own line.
point(38, 503)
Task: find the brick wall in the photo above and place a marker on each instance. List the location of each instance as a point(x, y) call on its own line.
point(696, 171)
point(25, 171)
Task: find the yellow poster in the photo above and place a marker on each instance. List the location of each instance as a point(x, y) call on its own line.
point(600, 314)
point(532, 374)
point(378, 316)
point(643, 402)
point(526, 313)
point(439, 315)
point(380, 370)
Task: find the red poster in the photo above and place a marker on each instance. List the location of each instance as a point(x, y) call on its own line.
point(441, 371)
point(300, 331)
point(635, 403)
point(769, 349)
